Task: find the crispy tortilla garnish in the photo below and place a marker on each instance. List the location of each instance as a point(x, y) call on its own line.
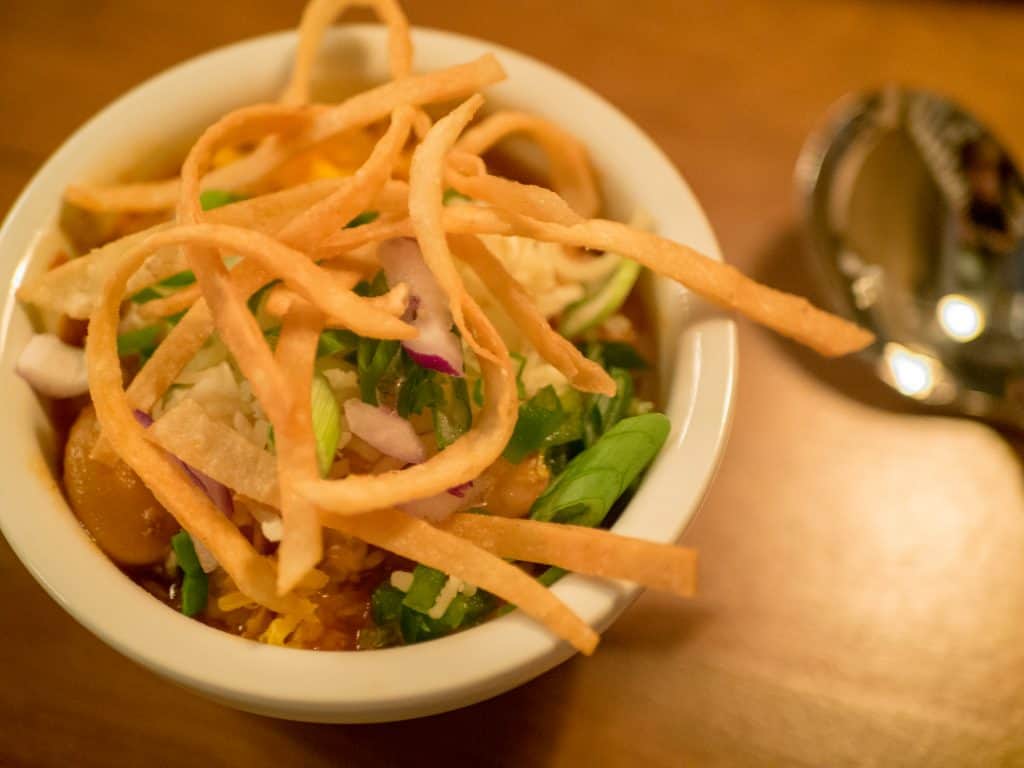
point(572, 176)
point(179, 301)
point(582, 373)
point(592, 551)
point(362, 109)
point(301, 543)
point(417, 540)
point(74, 287)
point(218, 451)
point(356, 193)
point(426, 184)
point(721, 284)
point(527, 199)
point(255, 575)
point(321, 14)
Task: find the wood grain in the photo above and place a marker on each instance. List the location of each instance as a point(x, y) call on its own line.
point(862, 587)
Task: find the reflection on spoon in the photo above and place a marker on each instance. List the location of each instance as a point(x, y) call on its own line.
point(915, 220)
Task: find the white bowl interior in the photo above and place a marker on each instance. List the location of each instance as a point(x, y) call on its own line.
point(698, 362)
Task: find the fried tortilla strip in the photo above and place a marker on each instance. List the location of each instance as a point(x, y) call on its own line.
point(325, 289)
point(786, 314)
point(319, 15)
point(254, 575)
point(301, 543)
point(358, 111)
point(722, 284)
point(341, 243)
point(421, 542)
point(217, 451)
point(314, 224)
point(591, 551)
point(179, 301)
point(526, 199)
point(582, 373)
point(74, 287)
point(426, 182)
point(572, 175)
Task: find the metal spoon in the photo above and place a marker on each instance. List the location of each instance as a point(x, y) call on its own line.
point(915, 224)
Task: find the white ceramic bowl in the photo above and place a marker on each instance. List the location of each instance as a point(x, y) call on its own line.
point(698, 360)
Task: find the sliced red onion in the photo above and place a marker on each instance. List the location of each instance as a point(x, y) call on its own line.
point(433, 362)
point(52, 367)
point(385, 430)
point(436, 347)
point(434, 509)
point(144, 419)
point(460, 489)
point(218, 493)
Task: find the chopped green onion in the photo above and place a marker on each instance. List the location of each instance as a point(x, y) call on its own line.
point(478, 605)
point(140, 342)
point(396, 619)
point(538, 417)
point(256, 302)
point(551, 575)
point(193, 594)
point(593, 481)
point(605, 412)
point(557, 458)
point(373, 638)
point(166, 286)
point(272, 335)
point(427, 584)
point(376, 287)
point(544, 421)
point(373, 358)
point(194, 584)
point(386, 604)
point(417, 627)
point(463, 611)
point(215, 198)
point(520, 387)
point(571, 428)
point(365, 217)
point(417, 390)
point(179, 280)
point(615, 354)
point(588, 488)
point(146, 294)
point(173, 320)
point(592, 310)
point(452, 415)
point(454, 196)
point(326, 423)
point(336, 342)
point(185, 552)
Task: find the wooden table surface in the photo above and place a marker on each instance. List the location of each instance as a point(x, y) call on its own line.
point(862, 596)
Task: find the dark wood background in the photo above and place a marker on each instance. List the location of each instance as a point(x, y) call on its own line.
point(862, 565)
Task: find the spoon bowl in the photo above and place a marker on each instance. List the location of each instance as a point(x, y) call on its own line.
point(914, 219)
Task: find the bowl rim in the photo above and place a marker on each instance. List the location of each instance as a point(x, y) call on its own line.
point(302, 685)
